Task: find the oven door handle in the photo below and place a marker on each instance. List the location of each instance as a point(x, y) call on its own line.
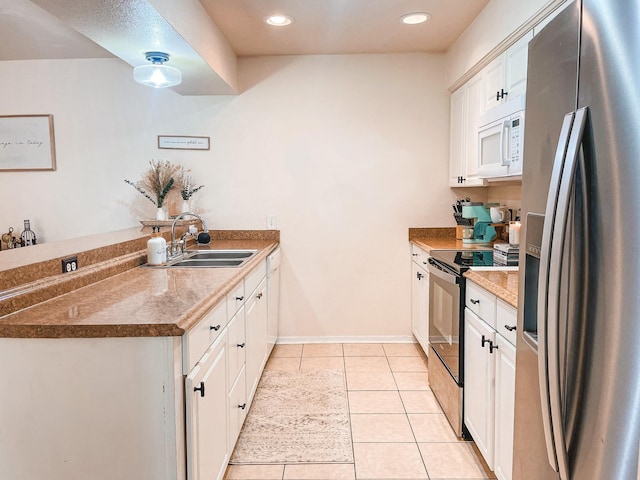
point(438, 271)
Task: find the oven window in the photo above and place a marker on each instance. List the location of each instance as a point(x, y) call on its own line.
point(444, 322)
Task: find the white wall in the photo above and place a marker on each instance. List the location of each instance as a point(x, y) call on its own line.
point(347, 151)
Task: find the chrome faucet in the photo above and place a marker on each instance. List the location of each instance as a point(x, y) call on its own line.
point(176, 248)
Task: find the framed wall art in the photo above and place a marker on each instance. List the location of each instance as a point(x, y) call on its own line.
point(183, 143)
point(27, 143)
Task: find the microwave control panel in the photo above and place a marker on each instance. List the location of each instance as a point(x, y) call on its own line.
point(517, 136)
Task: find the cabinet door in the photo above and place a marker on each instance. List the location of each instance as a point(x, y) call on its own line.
point(206, 415)
point(493, 83)
point(475, 106)
point(505, 395)
point(420, 305)
point(457, 145)
point(256, 335)
point(236, 345)
point(516, 67)
point(479, 377)
point(238, 407)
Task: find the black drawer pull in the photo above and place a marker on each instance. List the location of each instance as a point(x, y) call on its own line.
point(243, 406)
point(475, 302)
point(200, 389)
point(240, 298)
point(241, 345)
point(485, 340)
point(215, 327)
point(511, 329)
point(259, 296)
point(492, 347)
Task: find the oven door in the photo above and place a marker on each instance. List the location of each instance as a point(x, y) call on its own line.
point(444, 316)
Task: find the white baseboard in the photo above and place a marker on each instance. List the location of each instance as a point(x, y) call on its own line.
point(391, 339)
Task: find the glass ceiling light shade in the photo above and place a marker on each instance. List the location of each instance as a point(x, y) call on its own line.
point(157, 75)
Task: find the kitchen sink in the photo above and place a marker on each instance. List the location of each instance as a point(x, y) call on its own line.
point(212, 258)
point(220, 254)
point(207, 263)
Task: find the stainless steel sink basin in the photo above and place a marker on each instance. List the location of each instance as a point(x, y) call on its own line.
point(213, 258)
point(221, 254)
point(207, 263)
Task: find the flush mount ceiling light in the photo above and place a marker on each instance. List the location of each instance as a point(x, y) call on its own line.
point(415, 18)
point(278, 20)
point(157, 75)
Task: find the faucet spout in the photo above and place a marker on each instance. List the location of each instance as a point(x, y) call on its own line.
point(203, 237)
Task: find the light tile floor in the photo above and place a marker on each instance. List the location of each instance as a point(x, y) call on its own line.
point(398, 429)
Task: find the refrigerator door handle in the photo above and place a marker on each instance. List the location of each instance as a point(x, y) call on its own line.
point(543, 285)
point(567, 183)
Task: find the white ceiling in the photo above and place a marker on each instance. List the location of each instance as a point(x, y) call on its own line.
point(341, 26)
point(124, 29)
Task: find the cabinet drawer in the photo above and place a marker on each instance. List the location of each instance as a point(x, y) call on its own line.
point(506, 321)
point(196, 341)
point(419, 256)
point(482, 303)
point(253, 279)
point(237, 344)
point(235, 299)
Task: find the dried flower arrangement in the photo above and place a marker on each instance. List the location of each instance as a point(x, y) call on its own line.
point(157, 181)
point(186, 184)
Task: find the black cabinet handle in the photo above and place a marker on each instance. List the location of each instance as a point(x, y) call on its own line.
point(215, 327)
point(200, 389)
point(243, 406)
point(240, 298)
point(492, 347)
point(497, 96)
point(485, 340)
point(511, 329)
point(502, 95)
point(241, 345)
point(259, 296)
point(475, 302)
point(414, 254)
point(419, 275)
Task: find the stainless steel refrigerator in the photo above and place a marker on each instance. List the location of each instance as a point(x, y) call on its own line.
point(578, 348)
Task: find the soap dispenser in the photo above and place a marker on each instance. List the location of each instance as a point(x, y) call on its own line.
point(156, 248)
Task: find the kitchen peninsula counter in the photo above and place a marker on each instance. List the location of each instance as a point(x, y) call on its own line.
point(138, 302)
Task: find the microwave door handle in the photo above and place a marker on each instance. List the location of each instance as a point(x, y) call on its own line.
point(505, 144)
point(553, 315)
point(543, 284)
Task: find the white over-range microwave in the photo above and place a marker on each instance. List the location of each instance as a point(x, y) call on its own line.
point(501, 140)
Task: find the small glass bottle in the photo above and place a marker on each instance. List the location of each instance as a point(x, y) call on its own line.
point(28, 236)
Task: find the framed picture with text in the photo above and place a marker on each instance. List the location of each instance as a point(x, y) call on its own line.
point(27, 143)
point(183, 142)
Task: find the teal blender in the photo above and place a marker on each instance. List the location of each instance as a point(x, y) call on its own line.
point(483, 232)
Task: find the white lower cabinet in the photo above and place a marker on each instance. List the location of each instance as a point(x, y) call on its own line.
point(479, 378)
point(489, 377)
point(257, 337)
point(206, 414)
point(420, 297)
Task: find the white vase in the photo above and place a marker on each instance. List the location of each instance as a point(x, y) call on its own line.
point(186, 207)
point(161, 214)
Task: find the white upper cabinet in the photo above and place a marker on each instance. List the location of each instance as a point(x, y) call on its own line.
point(466, 108)
point(505, 78)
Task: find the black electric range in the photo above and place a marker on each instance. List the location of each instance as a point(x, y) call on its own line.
point(461, 260)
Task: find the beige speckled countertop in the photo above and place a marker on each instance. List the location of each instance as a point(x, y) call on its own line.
point(503, 284)
point(140, 301)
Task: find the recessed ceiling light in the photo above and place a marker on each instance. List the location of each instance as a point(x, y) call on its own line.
point(415, 18)
point(278, 20)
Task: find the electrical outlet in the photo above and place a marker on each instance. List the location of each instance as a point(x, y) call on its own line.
point(272, 222)
point(69, 264)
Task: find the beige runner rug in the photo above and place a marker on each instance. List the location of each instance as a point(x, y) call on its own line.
point(297, 417)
